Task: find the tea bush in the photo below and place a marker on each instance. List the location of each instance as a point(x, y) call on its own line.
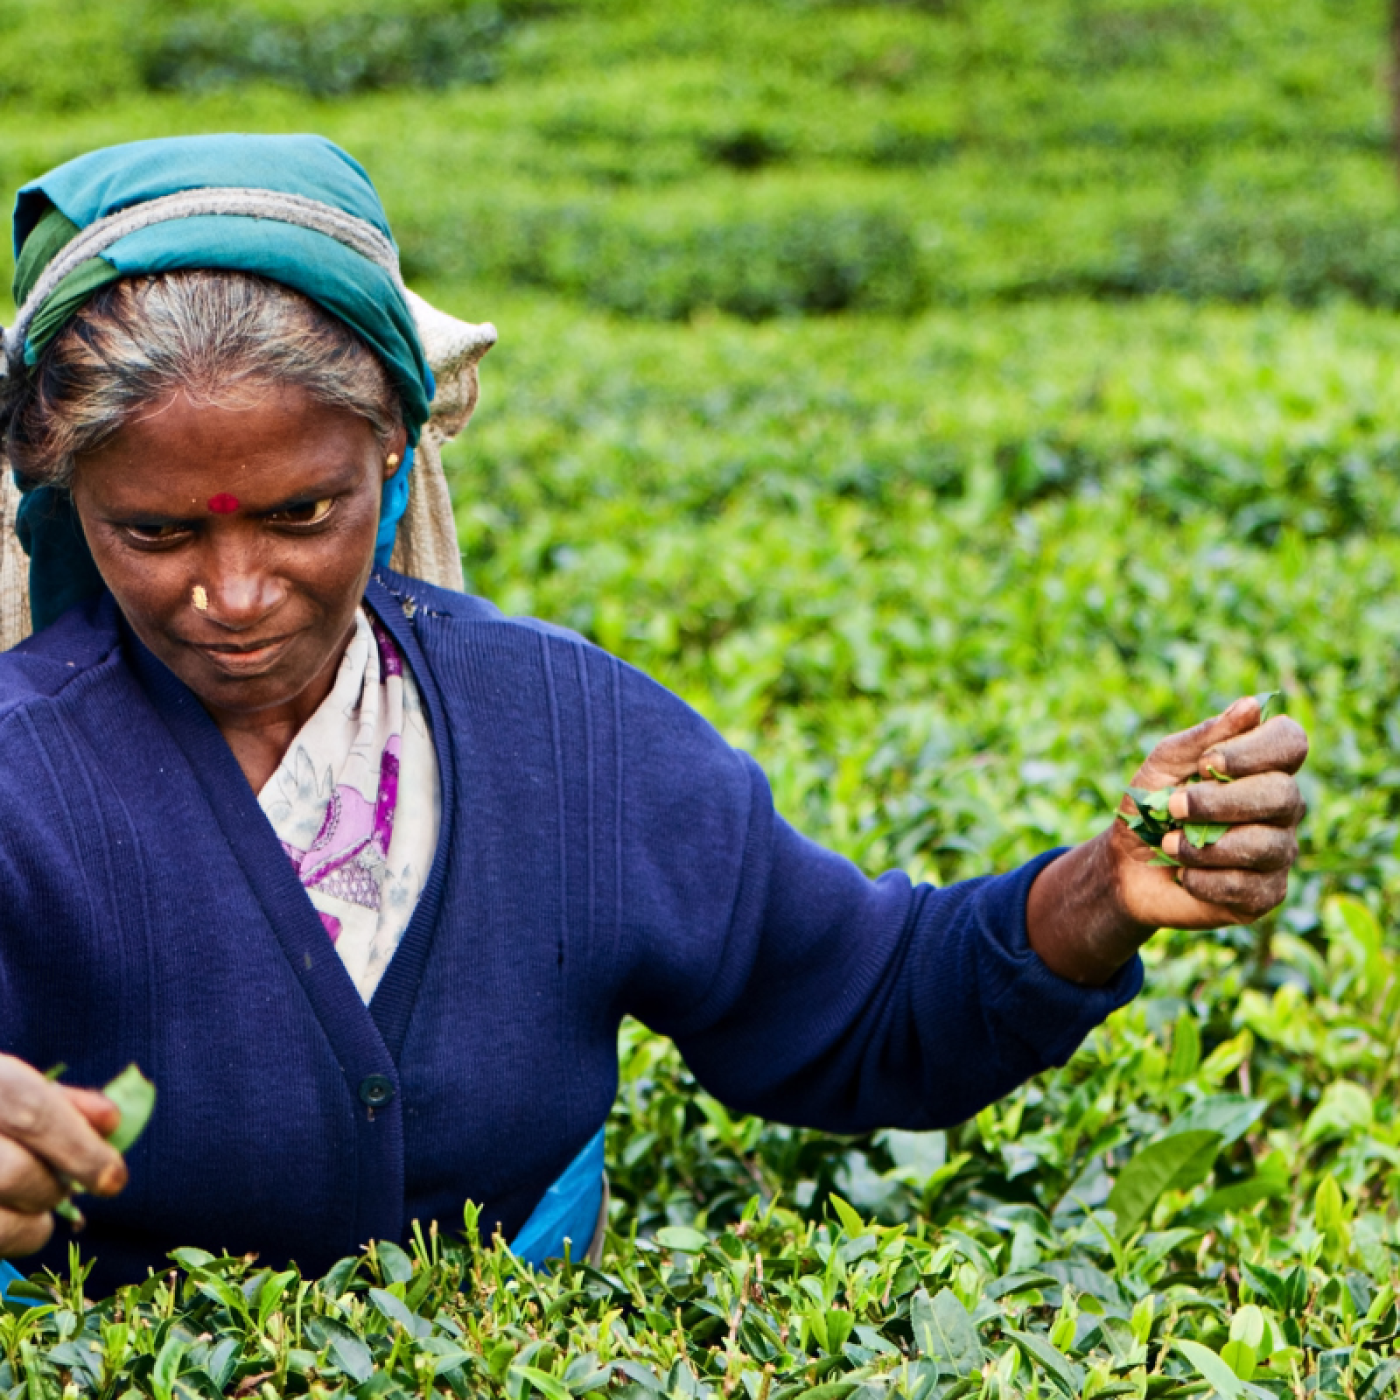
point(772, 159)
point(330, 55)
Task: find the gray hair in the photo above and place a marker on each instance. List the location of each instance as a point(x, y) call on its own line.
point(225, 338)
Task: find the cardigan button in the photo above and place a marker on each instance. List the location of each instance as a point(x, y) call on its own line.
point(376, 1090)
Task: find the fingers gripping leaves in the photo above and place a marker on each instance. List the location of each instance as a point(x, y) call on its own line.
point(1152, 820)
point(135, 1098)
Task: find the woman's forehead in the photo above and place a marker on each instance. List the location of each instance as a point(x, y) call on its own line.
point(208, 457)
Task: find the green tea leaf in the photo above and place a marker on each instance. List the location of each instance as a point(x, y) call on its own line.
point(1270, 704)
point(1212, 1369)
point(1038, 1351)
point(1230, 1115)
point(167, 1367)
point(682, 1239)
point(135, 1097)
point(351, 1355)
point(1247, 1326)
point(1241, 1358)
point(1380, 1380)
point(943, 1331)
point(1154, 1170)
point(1203, 834)
point(396, 1310)
point(542, 1381)
point(850, 1219)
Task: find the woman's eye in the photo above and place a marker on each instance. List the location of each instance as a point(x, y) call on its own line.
point(311, 513)
point(156, 534)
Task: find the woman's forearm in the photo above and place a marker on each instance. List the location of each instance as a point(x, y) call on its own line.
point(1075, 919)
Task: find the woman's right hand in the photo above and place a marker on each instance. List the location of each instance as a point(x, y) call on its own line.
point(52, 1139)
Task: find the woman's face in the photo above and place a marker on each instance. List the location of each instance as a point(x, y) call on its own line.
point(237, 542)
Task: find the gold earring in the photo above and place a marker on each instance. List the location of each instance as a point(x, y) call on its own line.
point(199, 598)
point(392, 460)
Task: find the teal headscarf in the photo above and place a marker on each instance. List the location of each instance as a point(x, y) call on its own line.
point(340, 277)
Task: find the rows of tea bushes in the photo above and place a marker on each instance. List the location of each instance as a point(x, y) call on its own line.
point(771, 159)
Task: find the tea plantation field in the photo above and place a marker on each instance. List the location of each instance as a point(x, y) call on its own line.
point(946, 398)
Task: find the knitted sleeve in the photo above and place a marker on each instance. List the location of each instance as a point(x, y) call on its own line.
point(797, 987)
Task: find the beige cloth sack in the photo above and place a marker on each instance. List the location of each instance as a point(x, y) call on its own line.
point(426, 546)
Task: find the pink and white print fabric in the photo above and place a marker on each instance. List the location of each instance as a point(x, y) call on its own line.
point(357, 804)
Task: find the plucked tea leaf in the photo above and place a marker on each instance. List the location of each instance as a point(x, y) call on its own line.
point(1270, 704)
point(1202, 834)
point(67, 1209)
point(1153, 819)
point(135, 1098)
point(1152, 803)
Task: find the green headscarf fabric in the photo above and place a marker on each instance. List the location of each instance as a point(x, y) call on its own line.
point(52, 211)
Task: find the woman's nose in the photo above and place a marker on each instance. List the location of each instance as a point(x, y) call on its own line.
point(242, 590)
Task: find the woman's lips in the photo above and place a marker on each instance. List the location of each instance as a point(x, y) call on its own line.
point(244, 660)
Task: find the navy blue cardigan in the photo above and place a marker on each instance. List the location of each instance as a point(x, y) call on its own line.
point(603, 853)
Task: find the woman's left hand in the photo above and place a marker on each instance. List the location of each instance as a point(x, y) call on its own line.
point(1089, 911)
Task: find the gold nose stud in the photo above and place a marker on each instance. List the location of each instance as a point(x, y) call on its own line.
point(199, 598)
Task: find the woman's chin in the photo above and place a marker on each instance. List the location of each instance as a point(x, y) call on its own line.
point(229, 682)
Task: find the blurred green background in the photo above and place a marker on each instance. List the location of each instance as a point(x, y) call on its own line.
point(767, 157)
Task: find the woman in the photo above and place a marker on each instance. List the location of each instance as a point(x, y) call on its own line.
point(363, 874)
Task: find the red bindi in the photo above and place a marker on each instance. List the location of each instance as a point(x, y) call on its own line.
point(223, 503)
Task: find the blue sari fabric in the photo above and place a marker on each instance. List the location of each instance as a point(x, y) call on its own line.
point(339, 279)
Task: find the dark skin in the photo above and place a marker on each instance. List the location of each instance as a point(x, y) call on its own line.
point(1090, 910)
point(283, 574)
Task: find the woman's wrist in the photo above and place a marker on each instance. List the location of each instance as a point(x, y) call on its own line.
point(1076, 920)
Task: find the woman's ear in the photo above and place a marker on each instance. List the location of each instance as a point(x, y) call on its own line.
point(395, 449)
